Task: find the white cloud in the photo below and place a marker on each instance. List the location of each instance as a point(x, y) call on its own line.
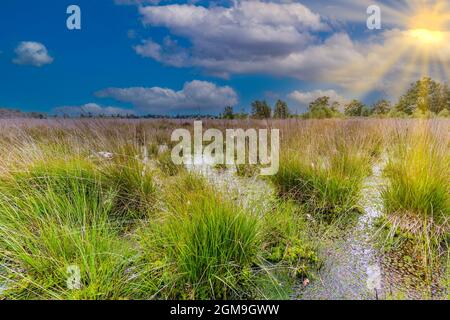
point(32, 53)
point(306, 97)
point(285, 38)
point(152, 2)
point(92, 108)
point(233, 39)
point(251, 37)
point(169, 53)
point(282, 38)
point(194, 97)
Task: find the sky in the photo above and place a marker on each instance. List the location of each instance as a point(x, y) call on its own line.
point(185, 57)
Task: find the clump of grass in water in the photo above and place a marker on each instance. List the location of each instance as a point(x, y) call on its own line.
point(417, 195)
point(418, 177)
point(58, 216)
point(207, 244)
point(327, 182)
point(286, 241)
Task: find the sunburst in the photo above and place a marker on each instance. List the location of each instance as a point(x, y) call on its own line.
point(428, 37)
point(416, 43)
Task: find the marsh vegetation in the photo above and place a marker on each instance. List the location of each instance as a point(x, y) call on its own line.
point(103, 195)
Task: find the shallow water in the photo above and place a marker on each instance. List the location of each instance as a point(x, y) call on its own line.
point(254, 194)
point(354, 268)
point(351, 264)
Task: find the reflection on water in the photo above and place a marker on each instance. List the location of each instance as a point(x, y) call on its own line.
point(254, 194)
point(352, 267)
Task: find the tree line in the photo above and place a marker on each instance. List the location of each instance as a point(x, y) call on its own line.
point(424, 98)
point(6, 113)
point(260, 110)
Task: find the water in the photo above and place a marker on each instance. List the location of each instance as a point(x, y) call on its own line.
point(352, 266)
point(253, 194)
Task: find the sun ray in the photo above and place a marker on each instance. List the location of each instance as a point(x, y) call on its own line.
point(414, 47)
point(407, 73)
point(445, 67)
point(352, 11)
point(425, 63)
point(394, 54)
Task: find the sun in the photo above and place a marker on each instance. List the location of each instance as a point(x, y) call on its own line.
point(415, 44)
point(434, 19)
point(427, 24)
point(427, 37)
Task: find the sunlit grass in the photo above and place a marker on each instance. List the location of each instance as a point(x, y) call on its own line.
point(55, 217)
point(100, 196)
point(419, 176)
point(324, 167)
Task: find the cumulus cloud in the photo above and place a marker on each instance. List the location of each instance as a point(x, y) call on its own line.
point(306, 97)
point(152, 2)
point(195, 96)
point(287, 38)
point(32, 53)
point(93, 109)
point(235, 39)
point(291, 39)
point(252, 37)
point(169, 53)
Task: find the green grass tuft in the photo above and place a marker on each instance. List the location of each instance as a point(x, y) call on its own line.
point(55, 217)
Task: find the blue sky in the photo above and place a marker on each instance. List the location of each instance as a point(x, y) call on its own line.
point(160, 57)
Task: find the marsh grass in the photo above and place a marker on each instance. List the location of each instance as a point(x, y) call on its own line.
point(208, 243)
point(324, 167)
point(135, 187)
point(51, 218)
point(206, 246)
point(286, 240)
point(166, 165)
point(140, 228)
point(419, 177)
point(417, 197)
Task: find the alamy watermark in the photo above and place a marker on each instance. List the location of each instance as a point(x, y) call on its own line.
point(73, 22)
point(238, 147)
point(374, 17)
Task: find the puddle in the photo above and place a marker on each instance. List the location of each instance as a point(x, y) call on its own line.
point(253, 194)
point(352, 266)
